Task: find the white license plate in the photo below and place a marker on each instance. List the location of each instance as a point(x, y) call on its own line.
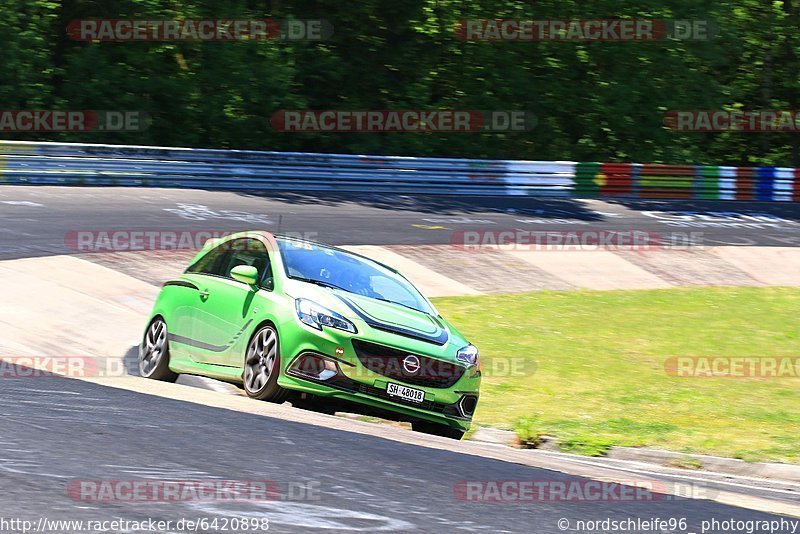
point(411, 394)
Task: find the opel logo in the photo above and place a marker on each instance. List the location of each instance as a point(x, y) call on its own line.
point(411, 364)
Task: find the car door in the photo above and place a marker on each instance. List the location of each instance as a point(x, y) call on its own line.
point(190, 288)
point(226, 307)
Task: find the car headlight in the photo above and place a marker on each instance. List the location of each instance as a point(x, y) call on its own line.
point(317, 316)
point(468, 355)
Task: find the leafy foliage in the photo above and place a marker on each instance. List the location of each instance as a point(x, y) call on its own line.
point(601, 101)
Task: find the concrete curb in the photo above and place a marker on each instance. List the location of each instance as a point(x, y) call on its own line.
point(730, 466)
point(661, 457)
point(447, 270)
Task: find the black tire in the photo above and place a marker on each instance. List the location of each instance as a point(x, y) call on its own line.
point(154, 353)
point(262, 364)
point(314, 404)
point(436, 429)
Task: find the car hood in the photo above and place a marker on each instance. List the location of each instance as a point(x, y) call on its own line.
point(378, 314)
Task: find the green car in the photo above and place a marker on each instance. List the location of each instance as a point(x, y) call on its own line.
point(291, 319)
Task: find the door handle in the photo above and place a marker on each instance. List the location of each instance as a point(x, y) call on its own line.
point(204, 294)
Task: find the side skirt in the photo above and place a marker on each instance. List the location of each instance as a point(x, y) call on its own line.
point(220, 372)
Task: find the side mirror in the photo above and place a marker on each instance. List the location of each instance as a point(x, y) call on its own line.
point(247, 274)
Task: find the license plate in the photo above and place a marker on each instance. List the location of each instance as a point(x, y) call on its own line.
point(409, 394)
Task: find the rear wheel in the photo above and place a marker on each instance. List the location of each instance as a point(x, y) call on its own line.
point(436, 429)
point(262, 364)
point(154, 353)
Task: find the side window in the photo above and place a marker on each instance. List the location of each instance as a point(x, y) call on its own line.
point(248, 251)
point(212, 263)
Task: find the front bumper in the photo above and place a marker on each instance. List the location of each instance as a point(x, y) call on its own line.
point(347, 378)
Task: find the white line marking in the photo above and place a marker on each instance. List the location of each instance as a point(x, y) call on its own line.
point(22, 203)
point(697, 479)
point(305, 515)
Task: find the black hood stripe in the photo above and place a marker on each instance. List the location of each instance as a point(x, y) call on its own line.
point(438, 339)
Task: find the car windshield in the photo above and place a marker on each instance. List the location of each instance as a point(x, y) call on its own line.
point(339, 269)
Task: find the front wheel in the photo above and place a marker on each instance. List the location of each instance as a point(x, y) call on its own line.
point(262, 364)
point(436, 429)
point(154, 353)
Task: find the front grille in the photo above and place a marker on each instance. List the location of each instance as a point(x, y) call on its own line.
point(388, 362)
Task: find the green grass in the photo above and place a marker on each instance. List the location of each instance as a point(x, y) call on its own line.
point(586, 445)
point(593, 373)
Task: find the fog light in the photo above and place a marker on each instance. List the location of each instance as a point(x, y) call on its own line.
point(467, 405)
point(331, 370)
point(314, 366)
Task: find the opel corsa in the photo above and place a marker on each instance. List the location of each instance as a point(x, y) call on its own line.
point(283, 317)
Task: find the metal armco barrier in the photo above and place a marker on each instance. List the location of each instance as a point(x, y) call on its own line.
point(24, 162)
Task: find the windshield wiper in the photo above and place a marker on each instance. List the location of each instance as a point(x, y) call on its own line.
point(319, 283)
point(334, 286)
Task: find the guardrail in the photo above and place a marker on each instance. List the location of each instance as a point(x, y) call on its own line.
point(24, 162)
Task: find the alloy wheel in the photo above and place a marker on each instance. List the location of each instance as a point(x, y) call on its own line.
point(260, 362)
point(155, 345)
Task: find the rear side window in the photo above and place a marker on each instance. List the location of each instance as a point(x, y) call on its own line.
point(245, 251)
point(212, 263)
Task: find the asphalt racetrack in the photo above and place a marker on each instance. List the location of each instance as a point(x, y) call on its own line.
point(35, 221)
point(57, 432)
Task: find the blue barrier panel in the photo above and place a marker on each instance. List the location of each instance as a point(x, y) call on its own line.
point(765, 177)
